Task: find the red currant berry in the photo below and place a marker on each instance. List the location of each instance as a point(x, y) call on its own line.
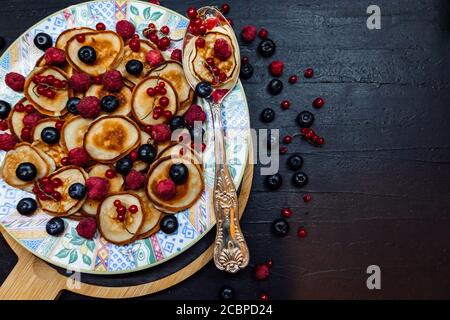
point(56, 195)
point(57, 182)
point(202, 30)
point(320, 141)
point(133, 209)
point(163, 43)
point(135, 36)
point(165, 30)
point(154, 38)
point(117, 203)
point(285, 104)
point(121, 210)
point(307, 198)
point(264, 297)
point(80, 38)
point(121, 217)
point(100, 26)
point(3, 125)
point(168, 114)
point(309, 73)
point(97, 80)
point(293, 79)
point(110, 174)
point(263, 33)
point(318, 102)
point(29, 108)
point(148, 128)
point(287, 139)
point(269, 263)
point(65, 161)
point(283, 150)
point(286, 212)
point(135, 45)
point(151, 92)
point(301, 232)
point(134, 155)
point(151, 25)
point(200, 43)
point(191, 12)
point(164, 102)
point(225, 8)
point(59, 124)
point(245, 60)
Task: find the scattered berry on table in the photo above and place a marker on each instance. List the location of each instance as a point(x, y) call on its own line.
point(299, 179)
point(285, 104)
point(305, 119)
point(263, 33)
point(286, 212)
point(295, 162)
point(248, 33)
point(301, 232)
point(262, 272)
point(318, 103)
point(266, 48)
point(226, 293)
point(309, 73)
point(274, 182)
point(275, 87)
point(293, 79)
point(280, 227)
point(267, 115)
point(276, 68)
point(307, 198)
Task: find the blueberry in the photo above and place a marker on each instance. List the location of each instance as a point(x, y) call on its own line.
point(246, 71)
point(43, 41)
point(87, 54)
point(55, 226)
point(27, 206)
point(280, 227)
point(178, 173)
point(147, 153)
point(26, 171)
point(50, 135)
point(124, 165)
point(226, 293)
point(275, 87)
point(274, 182)
point(295, 162)
point(203, 89)
point(196, 133)
point(305, 119)
point(267, 115)
point(109, 103)
point(299, 179)
point(177, 122)
point(169, 224)
point(267, 48)
point(77, 191)
point(5, 109)
point(134, 67)
point(72, 105)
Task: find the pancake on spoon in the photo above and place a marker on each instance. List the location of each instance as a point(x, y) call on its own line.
point(123, 96)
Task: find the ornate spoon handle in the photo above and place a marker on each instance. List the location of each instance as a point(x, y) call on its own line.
point(230, 249)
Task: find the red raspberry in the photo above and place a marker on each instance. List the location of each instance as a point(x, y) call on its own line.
point(15, 81)
point(125, 29)
point(134, 180)
point(112, 80)
point(7, 142)
point(261, 272)
point(154, 57)
point(248, 33)
point(97, 188)
point(176, 55)
point(31, 119)
point(89, 107)
point(79, 157)
point(165, 189)
point(222, 49)
point(87, 228)
point(80, 82)
point(276, 68)
point(54, 56)
point(194, 113)
point(161, 132)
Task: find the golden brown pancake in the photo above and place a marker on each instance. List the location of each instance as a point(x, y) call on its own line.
point(55, 151)
point(66, 35)
point(15, 119)
point(73, 131)
point(124, 97)
point(152, 216)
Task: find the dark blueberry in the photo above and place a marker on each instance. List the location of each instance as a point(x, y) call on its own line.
point(27, 206)
point(203, 89)
point(267, 48)
point(109, 103)
point(87, 54)
point(274, 182)
point(280, 227)
point(5, 109)
point(295, 162)
point(72, 105)
point(299, 179)
point(43, 41)
point(246, 71)
point(267, 115)
point(124, 165)
point(134, 67)
point(2, 43)
point(196, 133)
point(147, 153)
point(26, 171)
point(275, 87)
point(178, 173)
point(177, 122)
point(50, 135)
point(305, 119)
point(77, 191)
point(169, 224)
point(55, 226)
point(226, 293)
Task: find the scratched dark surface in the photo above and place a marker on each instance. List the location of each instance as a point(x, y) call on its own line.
point(381, 185)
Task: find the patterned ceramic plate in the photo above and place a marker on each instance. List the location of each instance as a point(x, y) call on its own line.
point(70, 251)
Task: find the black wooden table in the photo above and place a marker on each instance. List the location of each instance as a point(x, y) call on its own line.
point(381, 185)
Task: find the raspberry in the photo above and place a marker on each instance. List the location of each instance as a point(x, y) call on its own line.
point(276, 68)
point(97, 188)
point(112, 80)
point(194, 113)
point(125, 29)
point(222, 49)
point(54, 56)
point(30, 120)
point(161, 132)
point(79, 157)
point(87, 228)
point(15, 81)
point(261, 272)
point(176, 55)
point(165, 189)
point(134, 180)
point(248, 33)
point(154, 57)
point(80, 82)
point(89, 107)
point(7, 142)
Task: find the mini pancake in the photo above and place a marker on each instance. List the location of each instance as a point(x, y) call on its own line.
point(50, 107)
point(15, 119)
point(110, 138)
point(24, 152)
point(124, 97)
point(180, 150)
point(67, 205)
point(129, 54)
point(66, 35)
point(55, 151)
point(72, 132)
point(173, 72)
point(111, 228)
point(152, 216)
point(186, 194)
point(90, 206)
point(108, 46)
point(142, 104)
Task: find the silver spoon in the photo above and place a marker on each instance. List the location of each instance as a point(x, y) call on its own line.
point(230, 249)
